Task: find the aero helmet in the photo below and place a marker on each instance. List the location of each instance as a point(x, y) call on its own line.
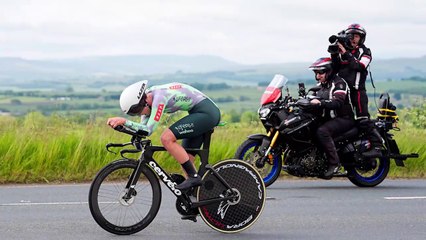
point(133, 98)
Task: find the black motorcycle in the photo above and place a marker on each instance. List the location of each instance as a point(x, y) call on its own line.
point(290, 144)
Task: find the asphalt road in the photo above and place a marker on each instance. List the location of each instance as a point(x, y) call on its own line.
point(295, 209)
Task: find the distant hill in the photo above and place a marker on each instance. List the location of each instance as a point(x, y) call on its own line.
point(107, 68)
point(22, 69)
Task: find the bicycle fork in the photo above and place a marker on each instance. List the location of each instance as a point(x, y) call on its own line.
point(133, 179)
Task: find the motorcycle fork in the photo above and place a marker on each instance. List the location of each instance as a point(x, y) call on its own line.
point(266, 157)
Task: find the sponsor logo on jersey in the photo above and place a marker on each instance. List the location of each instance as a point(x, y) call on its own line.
point(178, 86)
point(159, 112)
point(182, 99)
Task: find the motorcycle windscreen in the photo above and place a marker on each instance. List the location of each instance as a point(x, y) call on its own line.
point(274, 90)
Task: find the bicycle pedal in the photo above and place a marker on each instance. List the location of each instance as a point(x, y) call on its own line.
point(189, 217)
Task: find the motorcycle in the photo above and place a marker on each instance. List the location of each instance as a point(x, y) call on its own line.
point(290, 144)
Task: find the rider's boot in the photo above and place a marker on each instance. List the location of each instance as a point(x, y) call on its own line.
point(193, 179)
point(331, 152)
point(332, 169)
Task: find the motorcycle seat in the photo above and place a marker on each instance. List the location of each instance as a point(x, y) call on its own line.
point(353, 132)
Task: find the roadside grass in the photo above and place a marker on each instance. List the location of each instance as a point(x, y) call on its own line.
point(36, 148)
point(410, 140)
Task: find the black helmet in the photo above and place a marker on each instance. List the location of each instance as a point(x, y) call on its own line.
point(355, 28)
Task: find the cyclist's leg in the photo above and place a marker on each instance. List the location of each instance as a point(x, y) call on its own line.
point(202, 118)
point(194, 143)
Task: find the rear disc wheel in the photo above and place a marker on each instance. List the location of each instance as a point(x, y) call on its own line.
point(248, 191)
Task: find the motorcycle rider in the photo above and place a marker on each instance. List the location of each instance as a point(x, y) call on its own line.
point(337, 110)
point(151, 103)
point(351, 63)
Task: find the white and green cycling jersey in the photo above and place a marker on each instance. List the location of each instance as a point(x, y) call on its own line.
point(172, 97)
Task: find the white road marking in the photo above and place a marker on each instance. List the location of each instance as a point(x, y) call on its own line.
point(46, 203)
point(405, 198)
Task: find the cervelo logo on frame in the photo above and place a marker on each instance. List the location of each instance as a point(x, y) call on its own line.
point(159, 112)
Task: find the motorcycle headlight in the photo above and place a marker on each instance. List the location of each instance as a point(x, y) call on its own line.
point(263, 112)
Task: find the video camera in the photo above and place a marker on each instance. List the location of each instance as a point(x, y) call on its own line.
point(342, 38)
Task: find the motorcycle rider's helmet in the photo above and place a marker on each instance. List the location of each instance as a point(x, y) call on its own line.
point(322, 65)
point(133, 98)
point(355, 28)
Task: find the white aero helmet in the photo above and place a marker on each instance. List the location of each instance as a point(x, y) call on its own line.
point(133, 98)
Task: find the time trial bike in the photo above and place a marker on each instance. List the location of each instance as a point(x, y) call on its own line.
point(125, 195)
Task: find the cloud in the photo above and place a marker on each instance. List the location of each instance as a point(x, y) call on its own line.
point(243, 31)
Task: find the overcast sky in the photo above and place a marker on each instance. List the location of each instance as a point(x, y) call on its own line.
point(244, 31)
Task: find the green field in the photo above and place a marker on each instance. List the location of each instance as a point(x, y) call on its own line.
point(59, 136)
point(235, 98)
point(36, 148)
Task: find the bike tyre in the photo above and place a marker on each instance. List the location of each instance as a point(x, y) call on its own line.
point(379, 176)
point(147, 185)
point(237, 216)
point(269, 173)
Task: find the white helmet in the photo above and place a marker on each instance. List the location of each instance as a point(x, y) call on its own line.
point(133, 98)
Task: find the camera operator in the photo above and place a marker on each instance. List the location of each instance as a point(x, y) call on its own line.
point(351, 58)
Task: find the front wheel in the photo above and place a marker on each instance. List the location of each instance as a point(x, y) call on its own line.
point(240, 212)
point(248, 151)
point(371, 178)
point(116, 209)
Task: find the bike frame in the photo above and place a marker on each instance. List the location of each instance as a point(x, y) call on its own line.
point(146, 159)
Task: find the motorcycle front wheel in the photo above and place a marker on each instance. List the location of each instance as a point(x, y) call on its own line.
point(371, 178)
point(248, 151)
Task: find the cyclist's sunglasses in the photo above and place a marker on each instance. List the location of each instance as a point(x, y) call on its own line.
point(137, 108)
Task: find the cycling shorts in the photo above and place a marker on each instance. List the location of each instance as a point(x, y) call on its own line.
point(201, 118)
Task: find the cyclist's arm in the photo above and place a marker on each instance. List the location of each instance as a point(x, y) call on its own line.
point(136, 126)
point(150, 123)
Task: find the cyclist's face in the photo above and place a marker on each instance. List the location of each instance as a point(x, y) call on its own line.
point(147, 108)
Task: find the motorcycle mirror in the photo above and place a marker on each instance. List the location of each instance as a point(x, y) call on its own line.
point(288, 91)
point(302, 90)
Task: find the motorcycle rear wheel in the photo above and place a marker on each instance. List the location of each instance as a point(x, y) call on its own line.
point(370, 178)
point(248, 152)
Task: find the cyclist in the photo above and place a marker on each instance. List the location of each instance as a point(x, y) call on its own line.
point(151, 103)
point(337, 110)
